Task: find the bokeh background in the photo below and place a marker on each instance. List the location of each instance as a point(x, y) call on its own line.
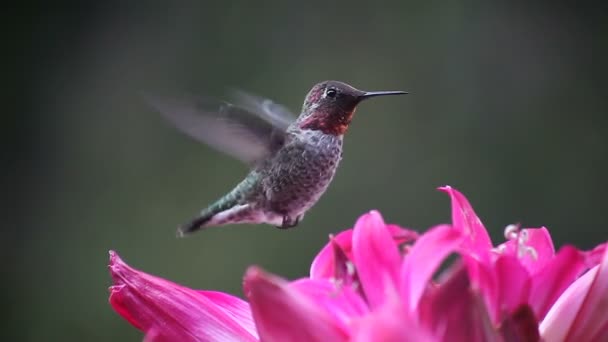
point(508, 103)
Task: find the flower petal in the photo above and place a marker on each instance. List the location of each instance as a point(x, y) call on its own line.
point(581, 312)
point(594, 256)
point(390, 323)
point(455, 312)
point(560, 318)
point(155, 335)
point(402, 235)
point(550, 282)
point(593, 315)
point(170, 312)
point(513, 282)
point(335, 267)
point(521, 325)
point(237, 308)
point(483, 278)
point(376, 257)
point(465, 220)
point(322, 265)
point(423, 261)
point(283, 313)
point(340, 302)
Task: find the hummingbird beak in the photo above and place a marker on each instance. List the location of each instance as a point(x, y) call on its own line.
point(368, 94)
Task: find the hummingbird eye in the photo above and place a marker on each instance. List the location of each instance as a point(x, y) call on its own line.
point(331, 92)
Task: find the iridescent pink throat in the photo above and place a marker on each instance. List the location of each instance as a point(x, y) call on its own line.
point(328, 123)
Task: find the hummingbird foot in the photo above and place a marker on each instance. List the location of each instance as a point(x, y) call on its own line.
point(289, 222)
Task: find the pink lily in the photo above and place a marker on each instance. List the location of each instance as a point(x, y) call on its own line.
point(525, 270)
point(370, 283)
point(397, 283)
point(303, 310)
point(170, 312)
point(581, 313)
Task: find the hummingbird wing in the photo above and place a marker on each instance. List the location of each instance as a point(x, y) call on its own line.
point(266, 109)
point(247, 135)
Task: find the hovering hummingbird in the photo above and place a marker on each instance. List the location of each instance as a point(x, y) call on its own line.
point(292, 160)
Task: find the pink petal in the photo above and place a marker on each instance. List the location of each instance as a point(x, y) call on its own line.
point(521, 325)
point(283, 313)
point(423, 261)
point(593, 315)
point(465, 220)
point(581, 312)
point(155, 335)
point(323, 264)
point(484, 280)
point(376, 257)
point(170, 312)
point(455, 312)
point(342, 303)
point(594, 256)
point(540, 240)
point(390, 323)
point(560, 318)
point(550, 282)
point(238, 309)
point(402, 235)
point(335, 267)
point(513, 283)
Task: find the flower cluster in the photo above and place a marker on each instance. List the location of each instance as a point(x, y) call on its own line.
point(381, 282)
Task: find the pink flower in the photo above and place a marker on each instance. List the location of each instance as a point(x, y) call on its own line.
point(379, 282)
point(526, 271)
point(170, 312)
point(581, 313)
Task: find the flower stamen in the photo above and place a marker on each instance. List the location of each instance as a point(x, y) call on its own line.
point(350, 269)
point(513, 232)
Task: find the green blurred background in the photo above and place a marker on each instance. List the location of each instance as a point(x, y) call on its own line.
point(508, 103)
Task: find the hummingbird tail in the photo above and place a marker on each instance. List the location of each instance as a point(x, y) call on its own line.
point(220, 213)
point(194, 225)
point(228, 209)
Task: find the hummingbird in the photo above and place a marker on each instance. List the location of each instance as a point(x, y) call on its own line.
point(292, 159)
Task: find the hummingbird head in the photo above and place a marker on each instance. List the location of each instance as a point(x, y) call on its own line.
point(330, 105)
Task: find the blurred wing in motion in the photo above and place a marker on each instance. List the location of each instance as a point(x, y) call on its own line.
point(266, 109)
point(248, 134)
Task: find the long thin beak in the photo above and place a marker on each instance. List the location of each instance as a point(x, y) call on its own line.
point(368, 94)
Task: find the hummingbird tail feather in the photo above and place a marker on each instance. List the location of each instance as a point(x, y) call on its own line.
point(216, 215)
point(194, 225)
point(228, 209)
